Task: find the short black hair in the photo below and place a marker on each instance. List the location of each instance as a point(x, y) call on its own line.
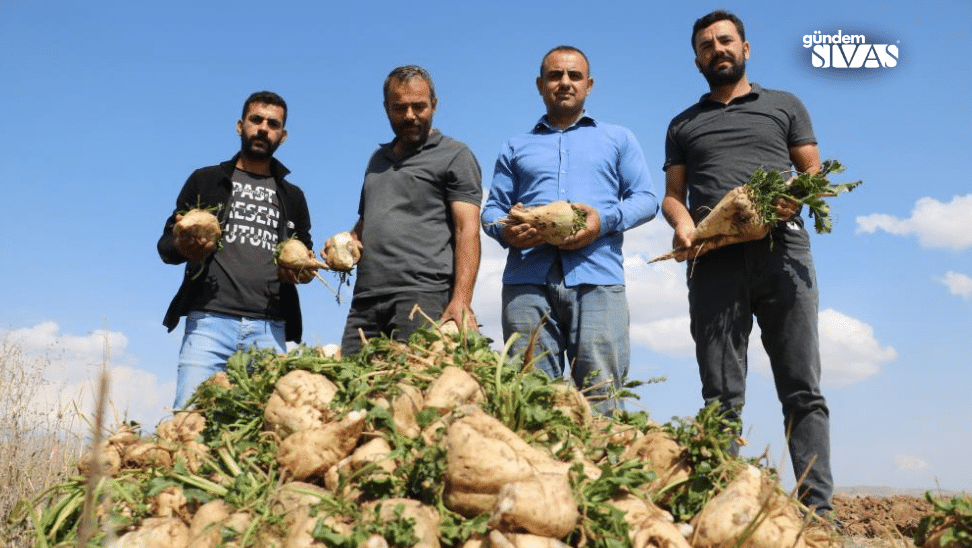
point(718, 15)
point(265, 98)
point(565, 48)
point(406, 73)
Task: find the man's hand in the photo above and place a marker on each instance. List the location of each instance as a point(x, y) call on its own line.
point(787, 208)
point(682, 242)
point(585, 236)
point(356, 254)
point(301, 276)
point(522, 235)
point(459, 312)
point(194, 249)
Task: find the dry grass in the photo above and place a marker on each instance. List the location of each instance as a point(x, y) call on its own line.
point(38, 448)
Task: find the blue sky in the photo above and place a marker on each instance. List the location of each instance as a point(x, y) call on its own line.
point(109, 107)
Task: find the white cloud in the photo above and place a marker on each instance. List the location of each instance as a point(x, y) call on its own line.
point(849, 350)
point(70, 366)
point(958, 284)
point(936, 224)
point(911, 463)
point(669, 336)
point(657, 294)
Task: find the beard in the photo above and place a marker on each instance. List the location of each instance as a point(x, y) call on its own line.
point(252, 152)
point(727, 76)
point(412, 134)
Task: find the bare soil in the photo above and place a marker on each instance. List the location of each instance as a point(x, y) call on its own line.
point(869, 521)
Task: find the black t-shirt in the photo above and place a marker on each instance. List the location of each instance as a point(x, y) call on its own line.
point(242, 277)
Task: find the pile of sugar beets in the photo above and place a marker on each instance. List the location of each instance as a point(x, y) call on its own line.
point(437, 442)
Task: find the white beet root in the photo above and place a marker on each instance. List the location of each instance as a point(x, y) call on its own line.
point(554, 221)
point(156, 533)
point(341, 252)
point(733, 220)
point(747, 502)
point(453, 388)
point(425, 519)
point(300, 400)
point(541, 505)
point(483, 455)
point(309, 453)
point(662, 455)
point(293, 254)
point(198, 224)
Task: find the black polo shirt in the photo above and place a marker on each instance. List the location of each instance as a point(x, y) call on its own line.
point(721, 145)
point(407, 228)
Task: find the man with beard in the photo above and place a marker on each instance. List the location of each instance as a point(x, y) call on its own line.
point(712, 147)
point(233, 295)
point(418, 225)
point(571, 295)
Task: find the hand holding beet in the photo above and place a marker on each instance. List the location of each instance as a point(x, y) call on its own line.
point(341, 252)
point(197, 234)
point(586, 235)
point(292, 276)
point(748, 212)
point(522, 235)
point(297, 263)
point(552, 223)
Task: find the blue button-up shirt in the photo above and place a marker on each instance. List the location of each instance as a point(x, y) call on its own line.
point(590, 162)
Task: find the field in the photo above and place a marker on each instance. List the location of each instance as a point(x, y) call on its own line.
point(36, 454)
point(36, 451)
point(879, 522)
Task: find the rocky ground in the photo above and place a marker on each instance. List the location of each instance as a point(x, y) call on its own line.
point(879, 522)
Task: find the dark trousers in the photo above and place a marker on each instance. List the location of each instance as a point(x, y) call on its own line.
point(776, 284)
point(389, 315)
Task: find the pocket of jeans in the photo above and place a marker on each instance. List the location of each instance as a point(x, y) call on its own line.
point(193, 317)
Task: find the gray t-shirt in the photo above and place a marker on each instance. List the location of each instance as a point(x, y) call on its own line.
point(722, 145)
point(407, 227)
point(242, 277)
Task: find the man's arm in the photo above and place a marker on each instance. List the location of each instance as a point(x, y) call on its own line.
point(465, 221)
point(502, 196)
point(675, 208)
point(638, 204)
point(805, 158)
point(177, 251)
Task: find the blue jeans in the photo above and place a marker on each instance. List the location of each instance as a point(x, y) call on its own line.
point(777, 284)
point(211, 338)
point(585, 330)
point(388, 315)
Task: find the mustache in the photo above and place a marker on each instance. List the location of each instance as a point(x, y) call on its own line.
point(258, 137)
point(722, 57)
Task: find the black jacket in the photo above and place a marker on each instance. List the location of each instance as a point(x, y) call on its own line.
point(212, 186)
